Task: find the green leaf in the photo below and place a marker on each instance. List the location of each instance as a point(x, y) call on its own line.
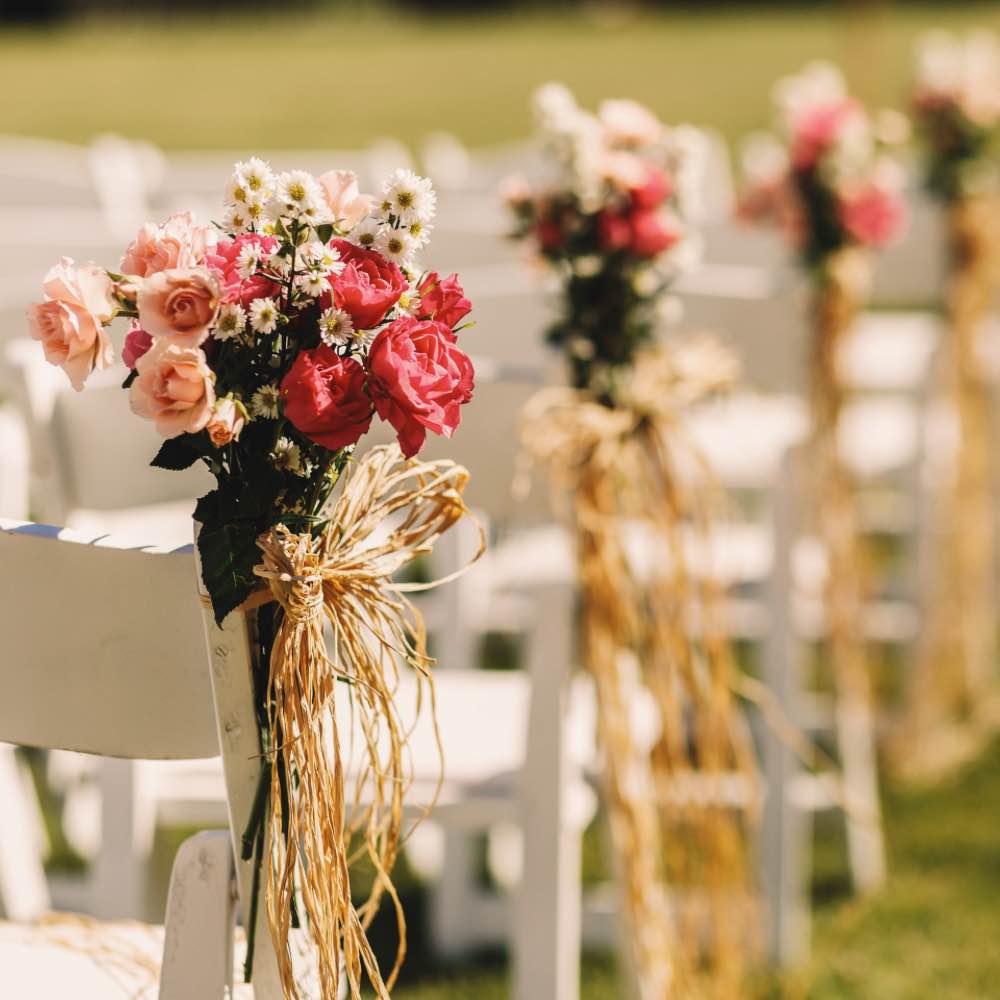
point(176, 454)
point(228, 555)
point(324, 232)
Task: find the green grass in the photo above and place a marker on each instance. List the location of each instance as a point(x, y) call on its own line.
point(319, 79)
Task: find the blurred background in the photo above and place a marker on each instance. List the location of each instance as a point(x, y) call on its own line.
point(115, 113)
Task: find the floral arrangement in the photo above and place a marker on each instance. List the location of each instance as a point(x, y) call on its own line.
point(612, 220)
point(830, 182)
point(264, 347)
point(955, 105)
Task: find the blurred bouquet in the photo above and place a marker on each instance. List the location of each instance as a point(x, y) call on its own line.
point(613, 219)
point(956, 111)
point(830, 181)
point(264, 348)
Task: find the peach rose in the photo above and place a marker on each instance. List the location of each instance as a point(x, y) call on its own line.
point(178, 242)
point(70, 322)
point(228, 418)
point(345, 201)
point(180, 304)
point(173, 388)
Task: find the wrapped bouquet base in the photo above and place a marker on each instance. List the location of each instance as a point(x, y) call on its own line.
point(342, 631)
point(658, 636)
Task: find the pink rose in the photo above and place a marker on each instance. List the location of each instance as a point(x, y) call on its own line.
point(325, 398)
point(178, 242)
point(443, 299)
point(651, 235)
point(346, 203)
point(137, 342)
point(368, 287)
point(70, 322)
point(180, 304)
point(173, 389)
point(226, 421)
point(224, 262)
point(419, 380)
point(872, 215)
point(818, 128)
point(654, 190)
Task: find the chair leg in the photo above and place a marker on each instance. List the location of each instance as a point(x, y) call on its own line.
point(546, 937)
point(118, 885)
point(453, 910)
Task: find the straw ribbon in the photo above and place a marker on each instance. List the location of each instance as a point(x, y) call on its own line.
point(389, 512)
point(622, 465)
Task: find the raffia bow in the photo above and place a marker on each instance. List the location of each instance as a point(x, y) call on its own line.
point(661, 636)
point(341, 580)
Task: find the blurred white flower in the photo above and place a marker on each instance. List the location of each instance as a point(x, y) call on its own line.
point(288, 456)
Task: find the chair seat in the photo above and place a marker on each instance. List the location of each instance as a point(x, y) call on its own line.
point(76, 958)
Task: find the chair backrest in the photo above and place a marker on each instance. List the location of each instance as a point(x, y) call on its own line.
point(103, 648)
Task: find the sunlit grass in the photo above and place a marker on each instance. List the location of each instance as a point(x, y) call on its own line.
point(314, 79)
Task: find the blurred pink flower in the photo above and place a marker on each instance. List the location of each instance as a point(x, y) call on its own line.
point(137, 342)
point(70, 322)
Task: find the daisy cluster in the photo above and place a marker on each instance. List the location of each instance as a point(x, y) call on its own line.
point(829, 177)
point(612, 214)
point(266, 346)
point(955, 105)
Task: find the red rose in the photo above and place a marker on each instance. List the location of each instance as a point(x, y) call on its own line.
point(325, 398)
point(614, 231)
point(549, 234)
point(223, 260)
point(419, 380)
point(443, 299)
point(650, 236)
point(654, 190)
point(368, 287)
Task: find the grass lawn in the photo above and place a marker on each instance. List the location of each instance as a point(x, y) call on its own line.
point(313, 79)
point(932, 933)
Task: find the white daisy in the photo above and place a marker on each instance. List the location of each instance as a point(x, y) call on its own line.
point(335, 327)
point(248, 261)
point(264, 315)
point(409, 302)
point(411, 198)
point(236, 219)
point(299, 196)
point(256, 178)
point(365, 233)
point(279, 264)
point(395, 245)
point(364, 338)
point(320, 257)
point(288, 456)
point(312, 283)
point(420, 234)
point(265, 402)
point(231, 323)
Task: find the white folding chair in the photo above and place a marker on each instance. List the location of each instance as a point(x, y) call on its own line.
point(104, 653)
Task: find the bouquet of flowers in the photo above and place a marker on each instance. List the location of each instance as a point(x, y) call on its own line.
point(836, 190)
point(265, 347)
point(955, 104)
point(830, 181)
point(613, 220)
